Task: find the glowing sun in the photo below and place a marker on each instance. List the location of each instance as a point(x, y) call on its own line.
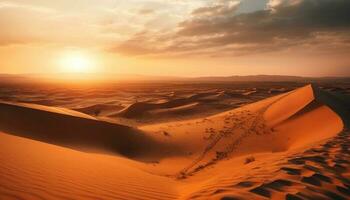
point(76, 62)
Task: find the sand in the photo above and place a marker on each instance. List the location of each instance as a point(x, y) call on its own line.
point(291, 146)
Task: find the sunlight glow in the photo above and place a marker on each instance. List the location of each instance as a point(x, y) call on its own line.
point(76, 62)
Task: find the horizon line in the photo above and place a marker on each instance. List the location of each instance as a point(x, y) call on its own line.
point(164, 76)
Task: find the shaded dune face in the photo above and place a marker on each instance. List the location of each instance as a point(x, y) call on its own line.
point(75, 131)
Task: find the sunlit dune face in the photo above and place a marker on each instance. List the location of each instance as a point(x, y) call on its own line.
point(76, 62)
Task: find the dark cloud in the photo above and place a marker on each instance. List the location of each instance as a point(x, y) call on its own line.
point(216, 29)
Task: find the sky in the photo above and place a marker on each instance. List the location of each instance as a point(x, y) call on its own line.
point(176, 37)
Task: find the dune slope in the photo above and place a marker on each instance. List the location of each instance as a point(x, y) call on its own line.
point(35, 170)
point(75, 130)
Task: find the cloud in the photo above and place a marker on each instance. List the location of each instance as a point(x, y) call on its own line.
point(10, 5)
point(93, 22)
point(14, 20)
point(32, 24)
point(274, 4)
point(216, 30)
point(221, 8)
point(182, 27)
point(146, 11)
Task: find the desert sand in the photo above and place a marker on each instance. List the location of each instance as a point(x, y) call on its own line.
point(294, 145)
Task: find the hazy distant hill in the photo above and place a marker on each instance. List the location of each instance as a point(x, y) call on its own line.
point(269, 78)
point(274, 78)
point(133, 77)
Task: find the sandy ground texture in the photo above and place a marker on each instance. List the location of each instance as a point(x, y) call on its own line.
point(292, 145)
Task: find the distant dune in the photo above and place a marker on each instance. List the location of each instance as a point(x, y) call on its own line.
point(11, 78)
point(269, 78)
point(140, 109)
point(294, 145)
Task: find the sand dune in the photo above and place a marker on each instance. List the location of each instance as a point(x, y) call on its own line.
point(174, 109)
point(75, 130)
point(274, 121)
point(139, 109)
point(291, 146)
point(100, 109)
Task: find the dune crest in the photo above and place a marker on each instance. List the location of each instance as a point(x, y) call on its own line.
point(303, 117)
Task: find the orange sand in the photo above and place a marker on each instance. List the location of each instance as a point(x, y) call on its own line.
point(286, 147)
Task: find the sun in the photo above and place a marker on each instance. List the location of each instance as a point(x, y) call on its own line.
point(76, 62)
